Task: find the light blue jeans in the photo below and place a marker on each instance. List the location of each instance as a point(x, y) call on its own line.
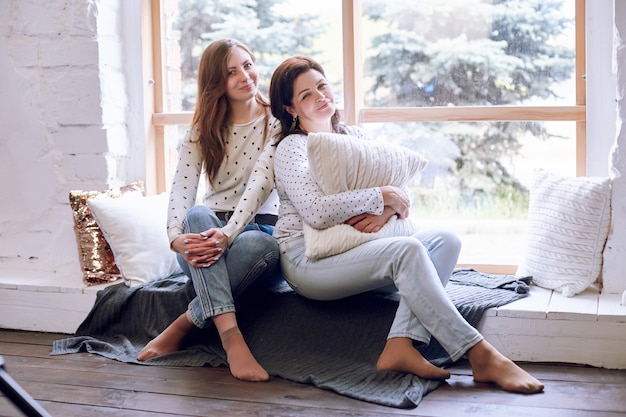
point(252, 259)
point(419, 266)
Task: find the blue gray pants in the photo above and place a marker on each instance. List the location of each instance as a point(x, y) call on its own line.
point(416, 265)
point(252, 256)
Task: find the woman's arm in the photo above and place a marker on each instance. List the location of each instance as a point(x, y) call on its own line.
point(371, 223)
point(316, 209)
point(184, 185)
point(258, 189)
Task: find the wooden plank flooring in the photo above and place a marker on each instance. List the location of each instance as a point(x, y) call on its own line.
point(89, 385)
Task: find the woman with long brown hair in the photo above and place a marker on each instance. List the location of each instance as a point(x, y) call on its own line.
point(417, 264)
point(224, 244)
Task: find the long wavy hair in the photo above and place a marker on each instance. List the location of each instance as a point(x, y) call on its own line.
point(281, 94)
point(213, 110)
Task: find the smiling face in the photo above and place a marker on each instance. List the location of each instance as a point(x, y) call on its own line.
point(241, 84)
point(313, 102)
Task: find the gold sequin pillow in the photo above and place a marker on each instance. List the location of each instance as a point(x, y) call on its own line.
point(96, 257)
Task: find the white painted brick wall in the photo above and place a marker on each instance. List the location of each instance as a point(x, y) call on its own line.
point(63, 126)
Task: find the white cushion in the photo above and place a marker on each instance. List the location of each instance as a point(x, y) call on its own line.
point(135, 227)
point(96, 257)
point(340, 163)
point(568, 225)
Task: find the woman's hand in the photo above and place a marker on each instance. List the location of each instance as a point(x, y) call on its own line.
point(201, 249)
point(371, 223)
point(397, 199)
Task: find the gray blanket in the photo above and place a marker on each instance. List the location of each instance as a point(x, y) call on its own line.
point(333, 345)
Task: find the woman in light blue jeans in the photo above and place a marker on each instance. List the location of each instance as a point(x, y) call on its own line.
point(222, 244)
point(417, 265)
point(427, 257)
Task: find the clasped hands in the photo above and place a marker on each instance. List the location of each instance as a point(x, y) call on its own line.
point(201, 249)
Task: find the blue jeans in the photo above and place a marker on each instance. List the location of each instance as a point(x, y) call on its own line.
point(419, 267)
point(252, 256)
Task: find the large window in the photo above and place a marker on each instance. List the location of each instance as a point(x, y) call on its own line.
point(487, 90)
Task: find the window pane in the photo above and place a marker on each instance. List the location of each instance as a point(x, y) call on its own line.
point(478, 178)
point(468, 52)
point(272, 29)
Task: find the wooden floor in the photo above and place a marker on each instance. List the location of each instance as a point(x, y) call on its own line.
point(90, 385)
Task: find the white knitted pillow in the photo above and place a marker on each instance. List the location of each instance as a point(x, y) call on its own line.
point(134, 226)
point(340, 163)
point(568, 224)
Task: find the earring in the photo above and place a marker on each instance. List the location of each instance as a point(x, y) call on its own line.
point(294, 122)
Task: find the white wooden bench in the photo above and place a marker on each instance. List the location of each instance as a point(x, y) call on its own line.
point(589, 328)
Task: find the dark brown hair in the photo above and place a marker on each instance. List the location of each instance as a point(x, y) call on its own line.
point(281, 92)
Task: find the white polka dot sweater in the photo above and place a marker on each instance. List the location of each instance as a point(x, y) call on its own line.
point(301, 198)
point(244, 146)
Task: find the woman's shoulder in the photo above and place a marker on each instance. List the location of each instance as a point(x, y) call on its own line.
point(191, 138)
point(274, 124)
point(273, 120)
point(296, 137)
point(355, 131)
point(192, 134)
point(293, 140)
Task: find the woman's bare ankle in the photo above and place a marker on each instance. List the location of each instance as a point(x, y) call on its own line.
point(169, 340)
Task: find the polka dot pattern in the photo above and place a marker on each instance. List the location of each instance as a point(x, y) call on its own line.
point(301, 198)
point(243, 147)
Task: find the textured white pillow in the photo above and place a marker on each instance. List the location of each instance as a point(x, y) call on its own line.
point(568, 224)
point(134, 226)
point(340, 163)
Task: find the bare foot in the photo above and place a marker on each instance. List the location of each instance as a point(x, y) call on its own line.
point(399, 355)
point(241, 362)
point(489, 365)
point(169, 340)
